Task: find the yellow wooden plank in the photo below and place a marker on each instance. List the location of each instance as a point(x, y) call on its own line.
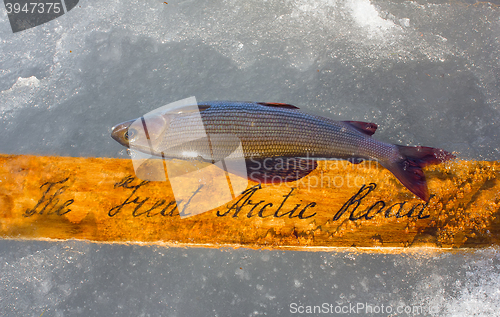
point(338, 205)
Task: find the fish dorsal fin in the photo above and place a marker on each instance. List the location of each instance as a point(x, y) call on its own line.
point(367, 128)
point(277, 104)
point(203, 107)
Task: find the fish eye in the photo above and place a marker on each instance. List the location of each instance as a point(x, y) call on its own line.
point(130, 134)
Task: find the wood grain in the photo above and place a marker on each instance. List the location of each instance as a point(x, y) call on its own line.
point(337, 205)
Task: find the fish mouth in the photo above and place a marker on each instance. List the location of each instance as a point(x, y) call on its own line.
point(118, 132)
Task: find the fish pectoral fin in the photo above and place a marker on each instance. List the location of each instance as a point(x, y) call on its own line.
point(156, 168)
point(277, 104)
point(367, 128)
point(177, 167)
point(273, 170)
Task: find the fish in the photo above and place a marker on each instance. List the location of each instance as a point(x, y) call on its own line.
point(277, 138)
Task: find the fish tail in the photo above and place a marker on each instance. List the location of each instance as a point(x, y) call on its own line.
point(408, 167)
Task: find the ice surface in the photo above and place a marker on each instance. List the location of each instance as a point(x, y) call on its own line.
point(427, 72)
point(79, 278)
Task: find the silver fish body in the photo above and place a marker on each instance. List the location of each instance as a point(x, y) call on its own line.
point(215, 130)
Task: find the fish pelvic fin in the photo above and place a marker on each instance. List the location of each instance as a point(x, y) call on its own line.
point(408, 169)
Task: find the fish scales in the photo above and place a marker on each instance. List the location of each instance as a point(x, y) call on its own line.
point(267, 130)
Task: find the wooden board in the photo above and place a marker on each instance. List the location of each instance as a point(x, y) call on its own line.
point(100, 199)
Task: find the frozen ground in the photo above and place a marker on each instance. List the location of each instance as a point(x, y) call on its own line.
point(77, 278)
point(427, 72)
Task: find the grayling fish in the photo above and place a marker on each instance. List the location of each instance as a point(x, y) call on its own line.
point(272, 131)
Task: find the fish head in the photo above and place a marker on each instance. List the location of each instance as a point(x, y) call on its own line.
point(143, 134)
point(120, 132)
